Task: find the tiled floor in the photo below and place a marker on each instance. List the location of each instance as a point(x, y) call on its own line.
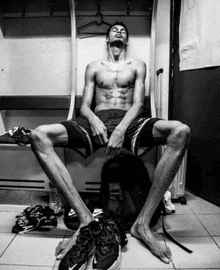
point(196, 225)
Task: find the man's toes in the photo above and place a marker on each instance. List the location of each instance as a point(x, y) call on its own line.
point(166, 258)
point(63, 252)
point(60, 248)
point(168, 253)
point(60, 256)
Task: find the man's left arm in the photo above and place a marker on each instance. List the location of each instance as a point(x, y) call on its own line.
point(117, 138)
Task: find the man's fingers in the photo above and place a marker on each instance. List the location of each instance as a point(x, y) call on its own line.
point(100, 140)
point(112, 151)
point(105, 137)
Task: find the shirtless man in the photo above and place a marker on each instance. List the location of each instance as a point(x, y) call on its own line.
point(118, 86)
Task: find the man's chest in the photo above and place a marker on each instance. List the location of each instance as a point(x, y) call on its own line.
point(122, 74)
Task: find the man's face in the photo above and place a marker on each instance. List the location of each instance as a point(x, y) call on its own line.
point(117, 33)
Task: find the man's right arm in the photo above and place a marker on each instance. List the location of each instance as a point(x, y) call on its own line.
point(98, 128)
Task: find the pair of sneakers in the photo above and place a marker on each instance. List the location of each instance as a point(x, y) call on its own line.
point(101, 240)
point(71, 219)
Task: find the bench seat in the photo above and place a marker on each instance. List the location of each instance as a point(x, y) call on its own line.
point(44, 103)
point(56, 102)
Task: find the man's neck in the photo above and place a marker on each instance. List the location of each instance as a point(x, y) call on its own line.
point(116, 53)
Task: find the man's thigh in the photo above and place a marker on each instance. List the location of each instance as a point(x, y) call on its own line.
point(79, 136)
point(139, 135)
point(56, 132)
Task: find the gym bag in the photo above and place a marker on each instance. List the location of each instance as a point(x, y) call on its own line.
point(125, 185)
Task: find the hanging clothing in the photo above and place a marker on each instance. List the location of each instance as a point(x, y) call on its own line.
point(199, 39)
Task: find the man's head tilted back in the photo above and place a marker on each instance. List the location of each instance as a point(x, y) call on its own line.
point(117, 32)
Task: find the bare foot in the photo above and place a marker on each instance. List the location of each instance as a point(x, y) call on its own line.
point(157, 248)
point(65, 245)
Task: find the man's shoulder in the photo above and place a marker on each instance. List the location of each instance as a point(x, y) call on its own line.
point(95, 63)
point(138, 65)
point(138, 62)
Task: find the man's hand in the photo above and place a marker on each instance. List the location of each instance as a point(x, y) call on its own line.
point(99, 132)
point(115, 142)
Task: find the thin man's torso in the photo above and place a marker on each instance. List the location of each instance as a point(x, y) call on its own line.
point(114, 84)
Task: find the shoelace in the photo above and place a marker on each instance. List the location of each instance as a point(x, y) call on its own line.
point(105, 240)
point(105, 244)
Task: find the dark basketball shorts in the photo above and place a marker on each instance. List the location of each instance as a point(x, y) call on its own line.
point(138, 135)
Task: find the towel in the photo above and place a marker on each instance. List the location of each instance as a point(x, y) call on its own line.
point(199, 31)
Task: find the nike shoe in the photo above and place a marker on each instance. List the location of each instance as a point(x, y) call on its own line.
point(25, 225)
point(35, 217)
point(71, 219)
point(21, 135)
point(76, 258)
point(108, 247)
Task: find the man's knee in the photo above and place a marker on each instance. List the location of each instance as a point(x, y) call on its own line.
point(39, 135)
point(179, 136)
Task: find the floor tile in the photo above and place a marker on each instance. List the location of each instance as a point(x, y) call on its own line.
point(31, 250)
point(191, 225)
point(12, 208)
point(185, 225)
point(23, 267)
point(217, 240)
point(6, 239)
point(200, 206)
point(136, 256)
point(211, 223)
point(205, 254)
point(181, 209)
point(7, 221)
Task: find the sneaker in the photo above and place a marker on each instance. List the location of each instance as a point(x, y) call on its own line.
point(108, 247)
point(35, 217)
point(76, 258)
point(21, 135)
point(25, 225)
point(71, 219)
